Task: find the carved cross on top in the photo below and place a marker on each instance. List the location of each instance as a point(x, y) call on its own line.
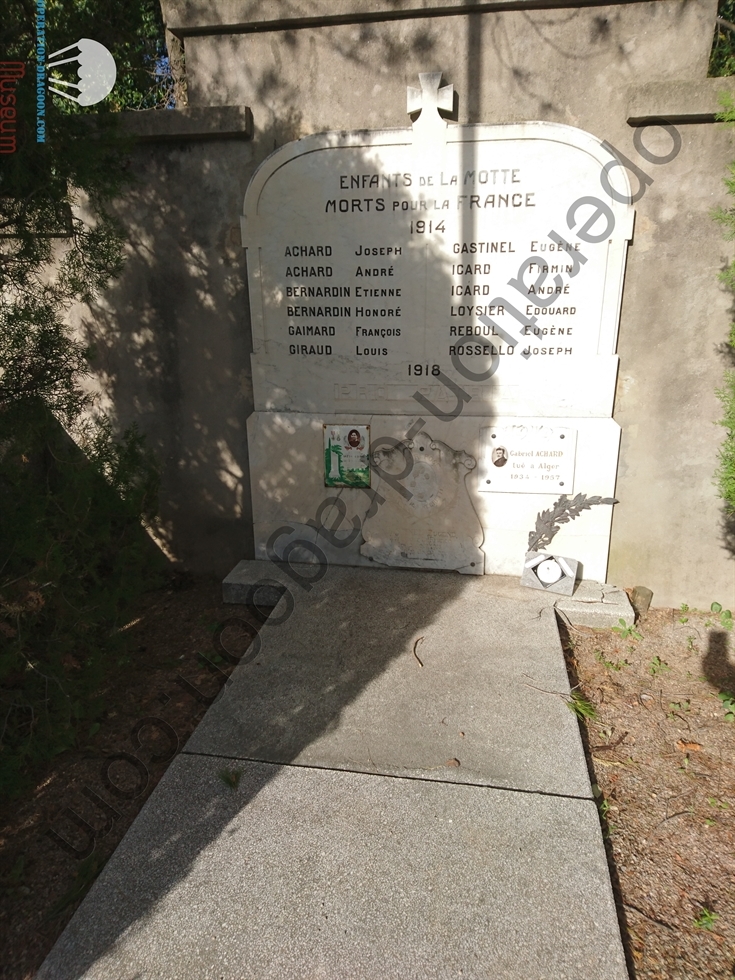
point(429, 99)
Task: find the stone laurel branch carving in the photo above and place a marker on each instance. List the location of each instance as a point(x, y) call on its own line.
point(563, 511)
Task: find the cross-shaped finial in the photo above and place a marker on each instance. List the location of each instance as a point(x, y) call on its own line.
point(429, 99)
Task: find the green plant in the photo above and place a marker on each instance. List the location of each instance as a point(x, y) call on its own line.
point(209, 626)
point(610, 664)
point(678, 706)
point(724, 614)
point(73, 494)
point(690, 643)
point(626, 632)
point(722, 804)
point(706, 919)
point(728, 703)
point(133, 32)
point(722, 53)
point(214, 658)
point(230, 777)
point(604, 807)
point(658, 666)
point(76, 559)
point(684, 609)
point(581, 707)
point(725, 474)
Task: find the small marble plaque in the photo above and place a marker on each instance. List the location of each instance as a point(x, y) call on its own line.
point(527, 459)
point(346, 456)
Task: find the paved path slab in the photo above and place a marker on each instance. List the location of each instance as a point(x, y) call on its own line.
point(338, 685)
point(311, 873)
point(354, 846)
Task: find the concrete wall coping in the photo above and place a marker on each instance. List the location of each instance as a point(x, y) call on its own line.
point(194, 123)
point(677, 102)
point(674, 102)
point(187, 18)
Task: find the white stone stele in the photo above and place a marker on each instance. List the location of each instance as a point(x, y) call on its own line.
point(287, 474)
point(454, 227)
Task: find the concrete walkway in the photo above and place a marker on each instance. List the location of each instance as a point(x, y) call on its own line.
point(400, 814)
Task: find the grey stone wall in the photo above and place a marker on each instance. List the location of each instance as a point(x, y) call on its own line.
point(175, 329)
point(172, 339)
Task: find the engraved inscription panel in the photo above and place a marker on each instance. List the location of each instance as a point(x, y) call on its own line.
point(378, 261)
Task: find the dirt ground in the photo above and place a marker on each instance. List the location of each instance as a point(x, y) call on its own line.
point(661, 754)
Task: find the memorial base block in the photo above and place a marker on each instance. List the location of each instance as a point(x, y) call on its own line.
point(450, 521)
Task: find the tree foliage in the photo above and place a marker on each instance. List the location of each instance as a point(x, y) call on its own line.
point(131, 30)
point(73, 554)
point(722, 55)
point(725, 476)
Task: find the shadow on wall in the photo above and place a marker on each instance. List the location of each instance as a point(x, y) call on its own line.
point(172, 339)
point(526, 53)
point(287, 448)
point(173, 333)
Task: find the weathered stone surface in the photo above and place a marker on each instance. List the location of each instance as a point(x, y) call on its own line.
point(641, 598)
point(436, 526)
point(282, 501)
point(598, 605)
point(677, 102)
point(187, 17)
point(305, 872)
point(174, 327)
point(195, 123)
point(340, 683)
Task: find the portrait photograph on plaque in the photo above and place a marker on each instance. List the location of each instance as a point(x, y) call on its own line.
point(346, 456)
